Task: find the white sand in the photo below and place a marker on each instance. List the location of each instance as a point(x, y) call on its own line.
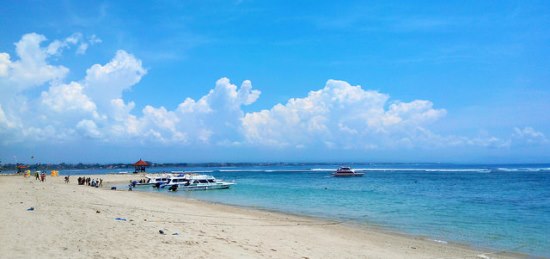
point(71, 221)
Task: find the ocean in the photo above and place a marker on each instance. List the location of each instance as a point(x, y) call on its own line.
point(500, 207)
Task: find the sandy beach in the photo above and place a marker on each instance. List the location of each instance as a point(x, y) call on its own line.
point(72, 221)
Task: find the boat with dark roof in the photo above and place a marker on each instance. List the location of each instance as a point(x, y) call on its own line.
point(345, 171)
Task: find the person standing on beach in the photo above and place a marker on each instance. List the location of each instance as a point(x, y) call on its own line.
point(37, 176)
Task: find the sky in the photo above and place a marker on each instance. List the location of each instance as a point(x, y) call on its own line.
point(274, 81)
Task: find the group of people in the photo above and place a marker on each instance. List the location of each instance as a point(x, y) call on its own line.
point(90, 182)
point(40, 176)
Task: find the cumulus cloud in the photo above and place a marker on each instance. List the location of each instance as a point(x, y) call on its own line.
point(4, 64)
point(32, 68)
point(88, 128)
point(340, 115)
point(94, 104)
point(337, 116)
point(104, 83)
point(213, 119)
point(62, 106)
point(67, 97)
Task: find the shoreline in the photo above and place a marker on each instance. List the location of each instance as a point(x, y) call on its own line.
point(204, 228)
point(350, 224)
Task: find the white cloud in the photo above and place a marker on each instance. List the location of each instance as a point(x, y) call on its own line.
point(340, 115)
point(4, 64)
point(213, 119)
point(82, 48)
point(104, 83)
point(67, 97)
point(76, 39)
point(32, 68)
point(88, 129)
point(163, 123)
point(528, 135)
point(94, 39)
point(62, 107)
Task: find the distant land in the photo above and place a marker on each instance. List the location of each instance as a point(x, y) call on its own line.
point(130, 166)
point(67, 166)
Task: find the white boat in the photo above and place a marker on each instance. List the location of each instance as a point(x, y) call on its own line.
point(192, 182)
point(345, 171)
point(155, 179)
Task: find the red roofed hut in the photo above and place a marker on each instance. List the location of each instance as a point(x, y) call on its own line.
point(140, 166)
point(21, 168)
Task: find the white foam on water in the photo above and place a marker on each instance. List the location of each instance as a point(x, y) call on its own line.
point(479, 170)
point(200, 171)
point(262, 170)
point(527, 169)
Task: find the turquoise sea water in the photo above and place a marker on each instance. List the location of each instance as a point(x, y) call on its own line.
point(501, 207)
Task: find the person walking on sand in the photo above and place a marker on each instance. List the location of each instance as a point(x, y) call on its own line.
point(43, 177)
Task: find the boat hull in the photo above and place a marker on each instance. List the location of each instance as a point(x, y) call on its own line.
point(184, 187)
point(347, 174)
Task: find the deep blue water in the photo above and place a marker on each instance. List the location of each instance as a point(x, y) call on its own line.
point(503, 207)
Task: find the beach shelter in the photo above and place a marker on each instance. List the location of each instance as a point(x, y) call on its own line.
point(140, 166)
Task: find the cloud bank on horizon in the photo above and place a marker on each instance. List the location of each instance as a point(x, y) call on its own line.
point(38, 105)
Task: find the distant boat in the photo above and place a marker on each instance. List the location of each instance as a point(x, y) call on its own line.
point(344, 171)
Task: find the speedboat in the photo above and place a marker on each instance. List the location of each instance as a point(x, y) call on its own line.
point(155, 180)
point(344, 171)
point(193, 182)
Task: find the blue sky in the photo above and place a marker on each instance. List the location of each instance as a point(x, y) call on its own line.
point(181, 81)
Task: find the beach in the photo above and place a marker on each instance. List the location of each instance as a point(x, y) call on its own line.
point(72, 221)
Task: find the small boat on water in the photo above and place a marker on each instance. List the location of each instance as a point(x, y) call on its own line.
point(345, 171)
point(193, 182)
